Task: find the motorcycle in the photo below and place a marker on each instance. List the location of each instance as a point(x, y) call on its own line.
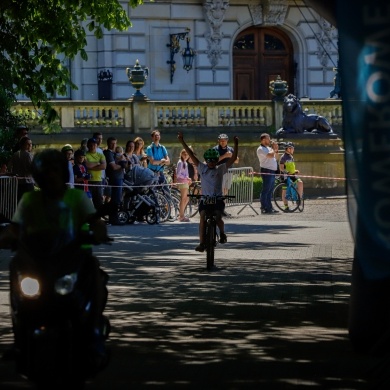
point(53, 299)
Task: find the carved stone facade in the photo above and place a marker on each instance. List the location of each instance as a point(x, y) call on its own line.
point(326, 38)
point(274, 12)
point(214, 25)
point(215, 13)
point(269, 13)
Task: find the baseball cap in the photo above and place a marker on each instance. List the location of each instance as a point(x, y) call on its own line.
point(92, 141)
point(79, 152)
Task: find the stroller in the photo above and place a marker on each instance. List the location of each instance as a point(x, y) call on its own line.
point(139, 201)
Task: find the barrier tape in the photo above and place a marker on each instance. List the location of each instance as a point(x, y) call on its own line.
point(123, 185)
point(173, 184)
point(102, 185)
point(299, 175)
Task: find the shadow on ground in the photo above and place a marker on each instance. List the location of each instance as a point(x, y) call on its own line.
point(252, 322)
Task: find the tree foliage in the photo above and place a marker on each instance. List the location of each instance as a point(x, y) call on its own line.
point(35, 34)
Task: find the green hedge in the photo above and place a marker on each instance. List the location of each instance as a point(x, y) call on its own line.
point(257, 185)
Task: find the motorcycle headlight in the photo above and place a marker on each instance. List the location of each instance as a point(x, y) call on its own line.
point(65, 285)
point(30, 287)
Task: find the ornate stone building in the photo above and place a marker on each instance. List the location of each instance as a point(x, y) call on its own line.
point(240, 47)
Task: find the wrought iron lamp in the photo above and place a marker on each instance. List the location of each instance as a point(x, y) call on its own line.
point(188, 54)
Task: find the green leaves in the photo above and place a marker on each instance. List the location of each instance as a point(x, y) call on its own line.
point(35, 34)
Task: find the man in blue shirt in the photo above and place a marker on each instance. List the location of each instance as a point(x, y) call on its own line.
point(157, 156)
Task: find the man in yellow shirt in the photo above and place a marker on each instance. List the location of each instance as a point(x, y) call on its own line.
point(96, 163)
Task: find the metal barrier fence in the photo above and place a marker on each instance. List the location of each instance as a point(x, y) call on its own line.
point(8, 197)
point(239, 181)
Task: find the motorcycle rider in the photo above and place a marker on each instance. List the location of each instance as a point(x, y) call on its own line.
point(50, 221)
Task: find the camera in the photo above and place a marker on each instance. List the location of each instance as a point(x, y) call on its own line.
point(86, 176)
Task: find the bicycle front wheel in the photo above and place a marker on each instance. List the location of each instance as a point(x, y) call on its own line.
point(165, 208)
point(210, 243)
point(286, 198)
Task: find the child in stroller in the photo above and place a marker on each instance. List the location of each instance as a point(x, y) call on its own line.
point(139, 199)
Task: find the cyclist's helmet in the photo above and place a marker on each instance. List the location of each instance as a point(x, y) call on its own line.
point(211, 155)
point(288, 145)
point(223, 136)
point(66, 148)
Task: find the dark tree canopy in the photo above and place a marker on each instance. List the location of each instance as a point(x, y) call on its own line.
point(35, 34)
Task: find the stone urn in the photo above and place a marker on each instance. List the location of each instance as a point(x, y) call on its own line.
point(137, 77)
point(278, 88)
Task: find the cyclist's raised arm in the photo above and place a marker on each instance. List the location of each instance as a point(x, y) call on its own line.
point(187, 149)
point(232, 159)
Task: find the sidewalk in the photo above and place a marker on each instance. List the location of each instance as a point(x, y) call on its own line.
point(271, 315)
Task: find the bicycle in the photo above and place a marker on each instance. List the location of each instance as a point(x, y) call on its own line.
point(168, 211)
point(173, 195)
point(195, 189)
point(210, 232)
point(286, 197)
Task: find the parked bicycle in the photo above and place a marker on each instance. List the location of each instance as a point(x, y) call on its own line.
point(172, 195)
point(211, 237)
point(286, 197)
point(195, 189)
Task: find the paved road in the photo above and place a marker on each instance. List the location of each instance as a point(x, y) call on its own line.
point(271, 315)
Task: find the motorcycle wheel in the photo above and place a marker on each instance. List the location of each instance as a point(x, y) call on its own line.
point(151, 217)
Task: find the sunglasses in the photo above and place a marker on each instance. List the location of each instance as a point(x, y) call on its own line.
point(211, 160)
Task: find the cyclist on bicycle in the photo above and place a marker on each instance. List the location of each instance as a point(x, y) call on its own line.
point(287, 167)
point(212, 176)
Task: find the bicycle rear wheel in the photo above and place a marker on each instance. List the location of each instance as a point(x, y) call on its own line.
point(174, 207)
point(210, 243)
point(165, 208)
point(194, 190)
point(187, 210)
point(292, 198)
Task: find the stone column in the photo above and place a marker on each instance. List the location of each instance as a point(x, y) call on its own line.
point(278, 113)
point(142, 113)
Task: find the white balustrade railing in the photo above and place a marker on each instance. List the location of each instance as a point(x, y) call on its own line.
point(165, 114)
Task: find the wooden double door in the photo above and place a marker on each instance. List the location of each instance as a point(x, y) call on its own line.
point(259, 56)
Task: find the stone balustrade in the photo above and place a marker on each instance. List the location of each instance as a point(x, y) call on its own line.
point(145, 115)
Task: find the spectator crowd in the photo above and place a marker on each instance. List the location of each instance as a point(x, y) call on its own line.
point(100, 170)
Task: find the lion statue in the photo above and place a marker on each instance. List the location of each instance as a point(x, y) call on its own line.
point(296, 121)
